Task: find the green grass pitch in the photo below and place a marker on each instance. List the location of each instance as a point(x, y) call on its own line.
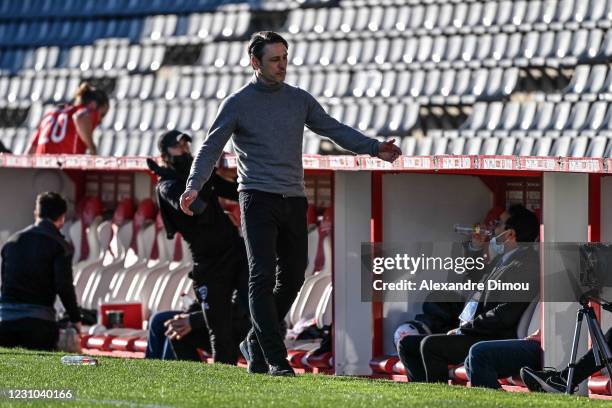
point(140, 383)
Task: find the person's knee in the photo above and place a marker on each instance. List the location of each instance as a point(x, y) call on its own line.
point(478, 356)
point(480, 353)
point(428, 346)
point(409, 348)
point(403, 347)
point(158, 320)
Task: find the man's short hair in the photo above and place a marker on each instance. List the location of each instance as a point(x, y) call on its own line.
point(524, 223)
point(262, 38)
point(50, 205)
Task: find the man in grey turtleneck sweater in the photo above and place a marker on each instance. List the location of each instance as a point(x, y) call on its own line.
point(266, 118)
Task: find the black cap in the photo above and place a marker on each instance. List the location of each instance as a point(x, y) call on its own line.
point(170, 139)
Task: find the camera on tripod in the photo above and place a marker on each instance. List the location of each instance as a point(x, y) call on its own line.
point(595, 266)
point(595, 263)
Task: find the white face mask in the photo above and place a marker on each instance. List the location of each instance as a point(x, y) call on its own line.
point(496, 247)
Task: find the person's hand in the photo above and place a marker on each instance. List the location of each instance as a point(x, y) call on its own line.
point(453, 332)
point(78, 327)
point(388, 151)
point(178, 327)
point(478, 240)
point(187, 198)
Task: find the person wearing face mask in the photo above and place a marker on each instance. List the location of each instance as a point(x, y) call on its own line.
point(487, 314)
point(36, 268)
point(68, 129)
point(218, 251)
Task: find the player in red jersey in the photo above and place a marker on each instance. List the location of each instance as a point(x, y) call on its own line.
point(69, 128)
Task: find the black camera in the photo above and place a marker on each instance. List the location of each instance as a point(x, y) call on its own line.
point(596, 265)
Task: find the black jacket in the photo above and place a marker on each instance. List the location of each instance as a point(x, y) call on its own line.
point(210, 232)
point(497, 317)
point(37, 266)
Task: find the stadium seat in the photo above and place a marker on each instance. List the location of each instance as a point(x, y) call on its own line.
point(600, 385)
point(116, 250)
point(597, 146)
point(599, 13)
point(83, 231)
point(104, 281)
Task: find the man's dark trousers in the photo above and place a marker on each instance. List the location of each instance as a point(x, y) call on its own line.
point(219, 279)
point(440, 350)
point(490, 360)
point(275, 234)
point(30, 333)
point(426, 358)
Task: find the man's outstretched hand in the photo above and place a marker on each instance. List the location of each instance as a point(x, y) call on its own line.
point(187, 198)
point(388, 151)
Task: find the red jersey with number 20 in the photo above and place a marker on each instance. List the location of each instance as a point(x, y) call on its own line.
point(57, 134)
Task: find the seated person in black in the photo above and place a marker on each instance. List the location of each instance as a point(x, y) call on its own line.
point(484, 316)
point(37, 267)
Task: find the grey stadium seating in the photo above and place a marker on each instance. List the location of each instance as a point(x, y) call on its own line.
point(445, 77)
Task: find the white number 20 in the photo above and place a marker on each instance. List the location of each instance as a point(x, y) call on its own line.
point(54, 128)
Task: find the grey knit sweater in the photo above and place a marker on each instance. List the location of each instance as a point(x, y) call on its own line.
point(267, 123)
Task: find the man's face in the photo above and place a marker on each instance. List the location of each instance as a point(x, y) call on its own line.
point(180, 148)
point(505, 236)
point(500, 223)
point(61, 221)
point(272, 67)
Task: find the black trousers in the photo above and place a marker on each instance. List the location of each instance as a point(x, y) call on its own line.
point(426, 358)
point(215, 281)
point(36, 334)
point(275, 233)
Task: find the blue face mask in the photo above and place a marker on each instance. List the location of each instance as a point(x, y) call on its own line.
point(496, 247)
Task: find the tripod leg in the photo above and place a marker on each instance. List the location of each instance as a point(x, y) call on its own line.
point(593, 328)
point(570, 372)
point(602, 353)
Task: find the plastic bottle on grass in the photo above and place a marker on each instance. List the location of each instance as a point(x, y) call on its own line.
point(79, 360)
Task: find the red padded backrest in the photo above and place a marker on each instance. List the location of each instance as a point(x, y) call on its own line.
point(159, 222)
point(87, 210)
point(311, 215)
point(159, 225)
point(92, 208)
point(146, 212)
point(178, 248)
point(124, 212)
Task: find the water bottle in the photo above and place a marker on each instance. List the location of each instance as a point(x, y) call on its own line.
point(79, 360)
point(470, 230)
